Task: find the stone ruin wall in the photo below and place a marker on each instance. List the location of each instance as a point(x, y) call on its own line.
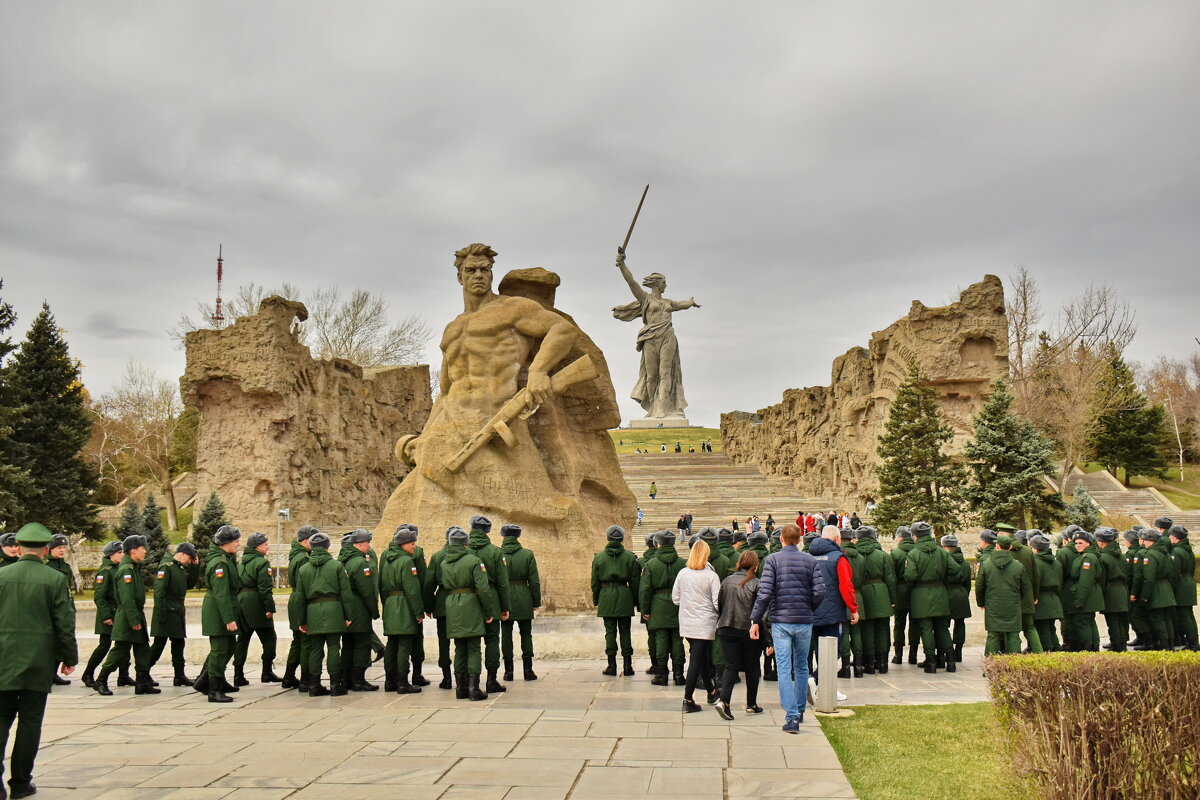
point(281, 429)
point(824, 438)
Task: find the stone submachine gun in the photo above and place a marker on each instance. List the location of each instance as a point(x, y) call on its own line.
point(580, 370)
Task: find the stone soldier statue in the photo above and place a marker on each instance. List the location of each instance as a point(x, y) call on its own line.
point(659, 388)
point(615, 579)
point(220, 616)
point(497, 574)
point(471, 604)
point(323, 585)
point(257, 604)
point(403, 607)
point(105, 600)
point(176, 574)
point(298, 653)
point(525, 595)
point(38, 633)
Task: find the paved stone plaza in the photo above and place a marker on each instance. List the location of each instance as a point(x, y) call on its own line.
point(572, 734)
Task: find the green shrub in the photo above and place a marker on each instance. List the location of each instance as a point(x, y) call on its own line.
point(1102, 725)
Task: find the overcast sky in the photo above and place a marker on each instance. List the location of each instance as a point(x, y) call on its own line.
point(813, 167)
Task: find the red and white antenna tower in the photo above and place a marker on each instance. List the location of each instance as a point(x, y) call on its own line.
point(218, 318)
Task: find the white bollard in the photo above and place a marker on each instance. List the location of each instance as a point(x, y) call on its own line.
point(827, 659)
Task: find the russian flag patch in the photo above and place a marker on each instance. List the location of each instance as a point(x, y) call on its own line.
point(128, 578)
point(219, 572)
point(162, 573)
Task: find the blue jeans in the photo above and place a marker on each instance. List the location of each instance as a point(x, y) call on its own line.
point(790, 640)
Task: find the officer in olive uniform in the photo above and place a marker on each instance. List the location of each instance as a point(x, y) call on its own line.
point(435, 598)
point(298, 652)
point(647, 555)
point(1133, 573)
point(1156, 594)
point(105, 600)
point(403, 607)
point(497, 574)
point(1115, 589)
point(1049, 606)
point(415, 643)
point(168, 622)
point(257, 605)
point(1087, 592)
point(362, 606)
point(471, 604)
point(959, 593)
point(129, 631)
point(418, 645)
point(220, 616)
point(725, 544)
point(10, 551)
point(899, 555)
point(999, 590)
point(878, 597)
point(659, 611)
point(1065, 556)
point(929, 571)
point(1185, 586)
point(56, 559)
point(323, 586)
point(38, 633)
point(852, 643)
point(615, 579)
point(524, 594)
point(1024, 556)
point(758, 543)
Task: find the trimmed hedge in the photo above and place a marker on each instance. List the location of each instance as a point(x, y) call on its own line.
point(1094, 726)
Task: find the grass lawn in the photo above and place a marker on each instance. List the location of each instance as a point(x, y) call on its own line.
point(185, 519)
point(654, 438)
point(945, 752)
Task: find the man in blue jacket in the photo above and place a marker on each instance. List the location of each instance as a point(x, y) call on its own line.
point(790, 589)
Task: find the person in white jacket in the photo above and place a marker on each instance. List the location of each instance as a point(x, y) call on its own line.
point(696, 591)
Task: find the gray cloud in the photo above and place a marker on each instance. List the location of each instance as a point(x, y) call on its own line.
point(814, 168)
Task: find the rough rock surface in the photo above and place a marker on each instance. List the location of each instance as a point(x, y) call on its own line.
point(280, 429)
point(564, 492)
point(824, 437)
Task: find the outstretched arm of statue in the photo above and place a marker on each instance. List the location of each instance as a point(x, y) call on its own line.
point(639, 293)
point(557, 335)
point(681, 305)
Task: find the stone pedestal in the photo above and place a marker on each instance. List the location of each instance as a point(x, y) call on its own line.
point(665, 422)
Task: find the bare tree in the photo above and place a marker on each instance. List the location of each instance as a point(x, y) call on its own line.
point(1024, 311)
point(1175, 384)
point(244, 303)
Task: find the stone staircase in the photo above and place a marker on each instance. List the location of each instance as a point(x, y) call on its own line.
point(712, 488)
point(1143, 505)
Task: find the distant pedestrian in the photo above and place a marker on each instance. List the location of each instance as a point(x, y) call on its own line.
point(640, 515)
point(664, 448)
point(653, 488)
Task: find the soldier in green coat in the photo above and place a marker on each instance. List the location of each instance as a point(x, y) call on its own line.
point(497, 574)
point(471, 604)
point(256, 602)
point(647, 554)
point(1049, 605)
point(168, 623)
point(999, 590)
point(903, 608)
point(38, 633)
point(105, 600)
point(852, 644)
point(129, 631)
point(323, 586)
point(435, 600)
point(298, 652)
point(10, 551)
point(1065, 556)
point(56, 559)
point(1087, 591)
point(959, 593)
point(362, 607)
point(525, 595)
point(878, 598)
point(659, 611)
point(1115, 589)
point(758, 543)
point(722, 566)
point(418, 645)
point(1156, 593)
point(615, 579)
point(929, 571)
point(403, 606)
point(1133, 573)
point(725, 545)
point(220, 616)
point(1185, 586)
point(1024, 556)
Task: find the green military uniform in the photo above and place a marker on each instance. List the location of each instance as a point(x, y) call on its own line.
point(1156, 593)
point(1065, 556)
point(362, 606)
point(470, 602)
point(878, 596)
point(1024, 556)
point(220, 608)
point(38, 633)
point(1184, 563)
point(959, 596)
point(1133, 573)
point(298, 653)
point(168, 621)
point(255, 600)
point(615, 580)
point(418, 645)
point(759, 548)
point(1115, 589)
point(725, 545)
point(525, 594)
point(130, 631)
point(929, 570)
point(647, 555)
point(1049, 606)
point(852, 645)
point(8, 540)
point(497, 574)
point(61, 565)
point(105, 599)
point(403, 607)
point(1000, 590)
point(660, 611)
point(323, 586)
point(435, 598)
point(1087, 597)
point(903, 608)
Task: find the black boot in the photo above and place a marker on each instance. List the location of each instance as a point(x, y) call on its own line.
point(508, 669)
point(403, 686)
point(660, 677)
point(338, 686)
point(611, 669)
point(391, 682)
point(316, 689)
point(305, 683)
point(461, 690)
point(899, 657)
point(100, 685)
point(527, 672)
point(493, 685)
point(123, 678)
point(941, 659)
point(858, 665)
point(867, 665)
point(360, 682)
point(628, 670)
point(958, 652)
point(679, 679)
point(88, 678)
point(239, 676)
point(912, 654)
point(950, 664)
point(226, 686)
point(217, 696)
point(269, 676)
point(474, 692)
point(417, 678)
point(59, 680)
point(653, 670)
point(881, 664)
point(181, 678)
point(289, 677)
point(201, 683)
point(930, 663)
point(143, 685)
point(844, 672)
point(446, 683)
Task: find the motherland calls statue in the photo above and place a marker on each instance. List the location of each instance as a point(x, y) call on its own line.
point(659, 389)
point(519, 431)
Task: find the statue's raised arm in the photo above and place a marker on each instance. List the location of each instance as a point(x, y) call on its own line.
point(639, 294)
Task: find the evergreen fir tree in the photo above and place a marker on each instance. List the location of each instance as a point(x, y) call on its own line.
point(131, 522)
point(212, 517)
point(156, 541)
point(1082, 510)
point(1127, 434)
point(52, 429)
point(14, 480)
point(918, 480)
point(1008, 459)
